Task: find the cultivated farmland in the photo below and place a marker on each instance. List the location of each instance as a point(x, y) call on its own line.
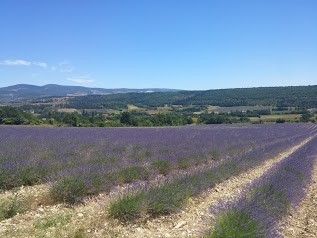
point(191, 181)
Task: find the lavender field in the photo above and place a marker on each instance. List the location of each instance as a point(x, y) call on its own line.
point(137, 175)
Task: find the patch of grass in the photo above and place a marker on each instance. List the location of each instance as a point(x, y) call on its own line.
point(236, 223)
point(184, 163)
point(215, 155)
point(52, 221)
point(129, 174)
point(112, 159)
point(148, 154)
point(162, 166)
point(12, 206)
point(80, 233)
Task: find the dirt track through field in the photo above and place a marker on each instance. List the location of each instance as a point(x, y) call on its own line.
point(195, 219)
point(302, 222)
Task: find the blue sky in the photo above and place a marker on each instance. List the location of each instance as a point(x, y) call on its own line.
point(182, 44)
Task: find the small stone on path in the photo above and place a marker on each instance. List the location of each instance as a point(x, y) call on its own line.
point(180, 224)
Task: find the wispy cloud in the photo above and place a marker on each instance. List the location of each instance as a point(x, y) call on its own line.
point(16, 62)
point(81, 80)
point(20, 62)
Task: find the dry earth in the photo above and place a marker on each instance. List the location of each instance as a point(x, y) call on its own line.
point(92, 220)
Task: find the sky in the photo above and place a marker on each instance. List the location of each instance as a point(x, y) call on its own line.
point(180, 44)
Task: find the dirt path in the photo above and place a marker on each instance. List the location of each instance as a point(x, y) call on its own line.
point(302, 222)
point(195, 219)
point(92, 220)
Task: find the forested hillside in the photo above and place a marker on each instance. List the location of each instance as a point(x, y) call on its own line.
point(296, 96)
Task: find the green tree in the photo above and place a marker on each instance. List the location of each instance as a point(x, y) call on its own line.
point(305, 117)
point(126, 118)
point(71, 119)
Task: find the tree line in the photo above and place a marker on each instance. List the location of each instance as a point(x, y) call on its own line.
point(15, 116)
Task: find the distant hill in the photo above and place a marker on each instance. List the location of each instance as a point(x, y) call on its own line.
point(23, 92)
point(94, 98)
point(295, 96)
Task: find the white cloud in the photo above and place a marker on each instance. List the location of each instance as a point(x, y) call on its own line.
point(80, 80)
point(16, 62)
point(23, 63)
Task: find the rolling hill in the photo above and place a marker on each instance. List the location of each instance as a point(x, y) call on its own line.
point(94, 98)
point(294, 96)
point(23, 92)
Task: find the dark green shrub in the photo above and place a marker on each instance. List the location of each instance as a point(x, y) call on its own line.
point(279, 120)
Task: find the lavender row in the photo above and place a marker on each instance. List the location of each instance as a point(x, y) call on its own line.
point(81, 161)
point(72, 186)
point(267, 200)
point(31, 154)
point(170, 196)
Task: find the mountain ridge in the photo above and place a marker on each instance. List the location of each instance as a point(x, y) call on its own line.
point(22, 92)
